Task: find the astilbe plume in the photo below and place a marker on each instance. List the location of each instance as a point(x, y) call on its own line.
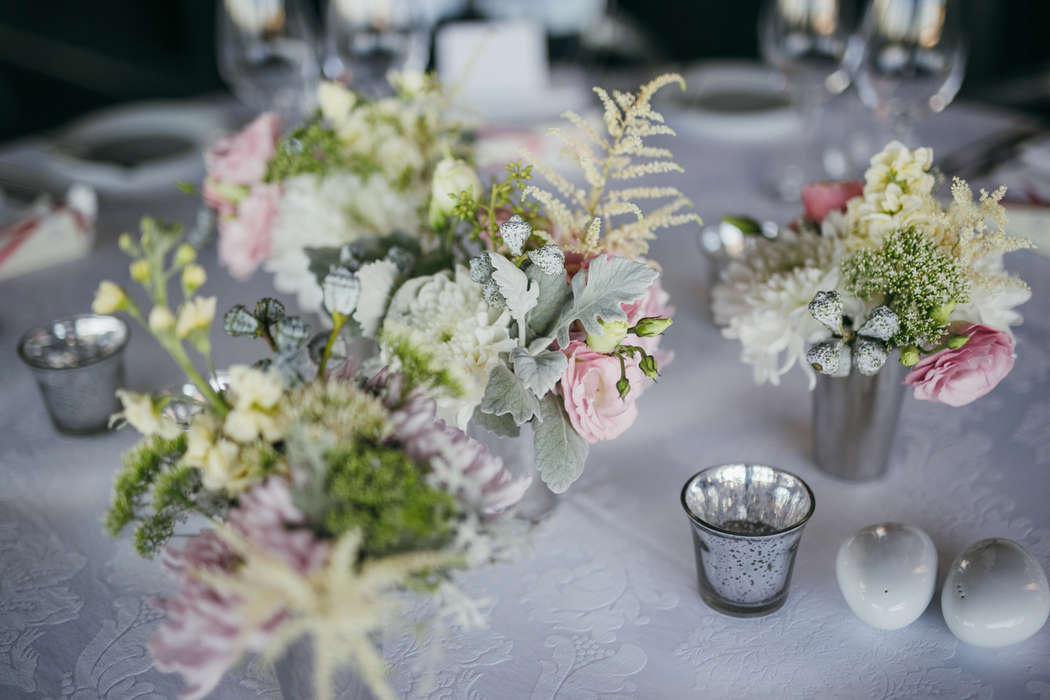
point(972, 240)
point(621, 155)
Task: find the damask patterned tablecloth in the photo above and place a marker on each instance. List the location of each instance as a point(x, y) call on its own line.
point(606, 606)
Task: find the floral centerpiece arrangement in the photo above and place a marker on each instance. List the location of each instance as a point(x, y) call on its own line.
point(536, 307)
point(878, 267)
point(357, 168)
point(327, 493)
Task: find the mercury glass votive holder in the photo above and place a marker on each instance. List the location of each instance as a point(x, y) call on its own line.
point(746, 520)
point(78, 363)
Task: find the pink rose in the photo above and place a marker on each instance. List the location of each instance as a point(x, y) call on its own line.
point(589, 391)
point(244, 241)
point(822, 198)
point(241, 158)
point(958, 377)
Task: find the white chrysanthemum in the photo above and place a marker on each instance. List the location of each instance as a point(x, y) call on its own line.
point(377, 279)
point(447, 318)
point(763, 301)
point(330, 211)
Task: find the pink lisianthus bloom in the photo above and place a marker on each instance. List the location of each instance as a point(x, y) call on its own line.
point(589, 392)
point(244, 240)
point(241, 158)
point(821, 198)
point(961, 376)
point(204, 633)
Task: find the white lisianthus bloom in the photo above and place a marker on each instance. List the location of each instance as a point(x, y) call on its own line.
point(194, 315)
point(377, 279)
point(398, 155)
point(993, 300)
point(109, 298)
point(445, 317)
point(161, 319)
point(140, 413)
point(335, 102)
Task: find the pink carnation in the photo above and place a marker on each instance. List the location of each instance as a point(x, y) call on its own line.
point(822, 198)
point(241, 158)
point(589, 392)
point(204, 635)
point(244, 240)
point(958, 377)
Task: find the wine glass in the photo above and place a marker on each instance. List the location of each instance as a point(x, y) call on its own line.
point(266, 54)
point(908, 60)
point(366, 39)
point(806, 40)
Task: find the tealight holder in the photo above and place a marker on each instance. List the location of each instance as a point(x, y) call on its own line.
point(78, 363)
point(747, 520)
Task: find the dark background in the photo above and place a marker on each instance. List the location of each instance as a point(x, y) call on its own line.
point(61, 58)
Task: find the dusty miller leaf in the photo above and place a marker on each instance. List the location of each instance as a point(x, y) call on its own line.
point(554, 295)
point(500, 425)
point(505, 394)
point(598, 293)
point(540, 372)
point(560, 451)
point(514, 285)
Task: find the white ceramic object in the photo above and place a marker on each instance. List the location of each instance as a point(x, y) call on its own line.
point(995, 594)
point(887, 574)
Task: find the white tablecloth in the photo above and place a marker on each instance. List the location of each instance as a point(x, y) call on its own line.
point(607, 606)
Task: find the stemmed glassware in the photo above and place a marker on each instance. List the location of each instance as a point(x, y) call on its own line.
point(266, 54)
point(908, 60)
point(365, 39)
point(806, 41)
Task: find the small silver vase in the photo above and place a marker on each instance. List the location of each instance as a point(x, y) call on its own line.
point(519, 457)
point(854, 421)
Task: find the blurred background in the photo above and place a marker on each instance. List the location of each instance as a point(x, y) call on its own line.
point(62, 58)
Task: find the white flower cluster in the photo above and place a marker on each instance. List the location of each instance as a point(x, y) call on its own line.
point(762, 300)
point(446, 318)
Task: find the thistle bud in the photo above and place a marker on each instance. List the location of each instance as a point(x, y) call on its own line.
point(514, 232)
point(451, 176)
point(910, 356)
point(550, 259)
point(831, 357)
point(140, 271)
point(827, 308)
point(956, 341)
point(652, 326)
point(341, 290)
point(882, 323)
point(612, 333)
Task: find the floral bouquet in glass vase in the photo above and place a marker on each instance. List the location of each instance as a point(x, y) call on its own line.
point(357, 168)
point(877, 287)
point(537, 311)
point(327, 495)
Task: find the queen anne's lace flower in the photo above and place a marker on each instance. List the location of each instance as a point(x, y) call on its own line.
point(446, 317)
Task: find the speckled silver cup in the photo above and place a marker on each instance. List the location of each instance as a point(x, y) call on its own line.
point(747, 520)
point(78, 363)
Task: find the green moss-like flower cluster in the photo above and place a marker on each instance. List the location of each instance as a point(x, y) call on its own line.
point(314, 148)
point(380, 491)
point(418, 367)
point(912, 275)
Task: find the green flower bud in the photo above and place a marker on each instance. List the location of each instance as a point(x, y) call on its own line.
point(909, 356)
point(623, 386)
point(648, 367)
point(127, 244)
point(943, 312)
point(612, 333)
point(956, 341)
point(649, 327)
point(140, 271)
point(451, 176)
point(185, 254)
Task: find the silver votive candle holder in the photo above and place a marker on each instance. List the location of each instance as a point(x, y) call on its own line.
point(78, 363)
point(747, 520)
